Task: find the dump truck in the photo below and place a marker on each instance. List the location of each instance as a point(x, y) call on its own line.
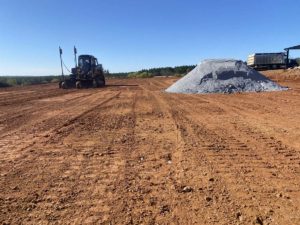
point(87, 73)
point(261, 61)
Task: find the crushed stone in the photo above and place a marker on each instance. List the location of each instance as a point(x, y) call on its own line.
point(223, 76)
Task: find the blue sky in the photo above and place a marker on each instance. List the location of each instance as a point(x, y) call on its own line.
point(128, 35)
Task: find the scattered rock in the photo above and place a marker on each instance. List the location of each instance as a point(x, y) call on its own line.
point(239, 216)
point(279, 195)
point(259, 220)
point(187, 189)
point(153, 201)
point(168, 157)
point(15, 188)
point(164, 209)
point(208, 199)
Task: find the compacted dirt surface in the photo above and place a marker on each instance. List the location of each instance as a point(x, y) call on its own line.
point(131, 154)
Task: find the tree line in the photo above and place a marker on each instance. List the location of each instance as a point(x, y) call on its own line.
point(162, 71)
point(8, 81)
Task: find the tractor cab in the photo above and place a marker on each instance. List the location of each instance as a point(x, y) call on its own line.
point(87, 62)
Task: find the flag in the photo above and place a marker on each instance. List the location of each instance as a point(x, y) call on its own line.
point(60, 50)
point(75, 50)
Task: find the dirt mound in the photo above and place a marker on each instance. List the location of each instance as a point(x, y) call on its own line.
point(283, 75)
point(223, 76)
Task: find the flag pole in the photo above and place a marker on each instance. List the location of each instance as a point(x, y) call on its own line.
point(61, 64)
point(75, 52)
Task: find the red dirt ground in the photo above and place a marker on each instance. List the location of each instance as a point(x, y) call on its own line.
point(132, 154)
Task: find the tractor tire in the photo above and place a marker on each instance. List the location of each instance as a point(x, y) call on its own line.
point(101, 83)
point(64, 85)
point(97, 83)
point(78, 85)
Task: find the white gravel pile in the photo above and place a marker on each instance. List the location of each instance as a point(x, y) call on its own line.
point(296, 68)
point(223, 76)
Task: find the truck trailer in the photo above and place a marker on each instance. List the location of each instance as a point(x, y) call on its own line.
point(261, 61)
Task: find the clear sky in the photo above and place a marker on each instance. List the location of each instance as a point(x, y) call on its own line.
point(128, 35)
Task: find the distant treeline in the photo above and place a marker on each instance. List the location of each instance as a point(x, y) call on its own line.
point(8, 81)
point(163, 71)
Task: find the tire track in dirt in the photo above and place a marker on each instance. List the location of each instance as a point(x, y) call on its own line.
point(247, 124)
point(147, 157)
point(227, 151)
point(215, 142)
point(218, 206)
point(67, 172)
point(148, 182)
point(248, 105)
point(15, 117)
point(177, 195)
point(17, 98)
point(92, 175)
point(146, 189)
point(18, 115)
point(25, 142)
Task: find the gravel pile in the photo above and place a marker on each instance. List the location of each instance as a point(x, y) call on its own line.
point(295, 68)
point(223, 76)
